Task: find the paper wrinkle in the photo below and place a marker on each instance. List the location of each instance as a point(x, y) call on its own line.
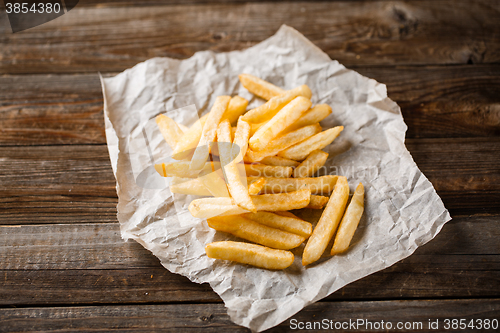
point(402, 209)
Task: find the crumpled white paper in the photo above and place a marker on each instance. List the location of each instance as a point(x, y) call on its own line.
point(402, 209)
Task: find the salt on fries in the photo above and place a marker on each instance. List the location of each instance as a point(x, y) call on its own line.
point(246, 185)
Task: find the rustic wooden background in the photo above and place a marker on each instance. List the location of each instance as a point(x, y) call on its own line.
point(63, 262)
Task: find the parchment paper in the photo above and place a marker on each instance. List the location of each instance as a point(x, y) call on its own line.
point(402, 209)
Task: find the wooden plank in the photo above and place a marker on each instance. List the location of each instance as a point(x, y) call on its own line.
point(436, 101)
point(89, 263)
point(355, 33)
point(213, 317)
point(75, 184)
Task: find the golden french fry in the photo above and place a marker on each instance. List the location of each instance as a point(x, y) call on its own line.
point(169, 129)
point(214, 183)
point(350, 221)
point(317, 202)
point(183, 128)
point(208, 133)
point(284, 118)
point(252, 231)
point(328, 223)
point(283, 141)
point(259, 87)
point(301, 150)
point(250, 254)
point(255, 127)
point(189, 140)
point(279, 161)
point(317, 185)
point(189, 186)
point(237, 106)
point(262, 170)
point(315, 160)
point(269, 109)
point(255, 187)
point(313, 116)
point(285, 223)
point(180, 169)
point(209, 207)
point(237, 188)
point(240, 142)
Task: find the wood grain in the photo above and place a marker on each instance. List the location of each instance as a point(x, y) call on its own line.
point(436, 101)
point(89, 263)
point(90, 39)
point(213, 317)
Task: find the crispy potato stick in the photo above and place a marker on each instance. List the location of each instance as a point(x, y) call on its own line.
point(259, 87)
point(189, 186)
point(301, 150)
point(208, 134)
point(311, 164)
point(350, 221)
point(284, 141)
point(313, 116)
point(328, 223)
point(233, 133)
point(183, 128)
point(317, 202)
point(255, 187)
point(285, 223)
point(255, 232)
point(237, 106)
point(169, 129)
point(209, 207)
point(237, 189)
point(240, 142)
point(282, 201)
point(214, 182)
point(178, 169)
point(262, 170)
point(267, 110)
point(250, 254)
point(279, 161)
point(288, 214)
point(317, 185)
point(189, 140)
point(284, 118)
point(255, 127)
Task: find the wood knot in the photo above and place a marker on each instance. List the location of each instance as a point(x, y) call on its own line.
point(207, 319)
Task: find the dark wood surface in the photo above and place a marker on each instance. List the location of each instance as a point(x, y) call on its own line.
point(64, 264)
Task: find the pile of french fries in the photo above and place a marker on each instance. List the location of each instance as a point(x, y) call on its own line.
point(253, 167)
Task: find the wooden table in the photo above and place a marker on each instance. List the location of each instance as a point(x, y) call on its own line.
point(63, 263)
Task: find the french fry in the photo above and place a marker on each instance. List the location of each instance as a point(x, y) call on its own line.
point(269, 109)
point(328, 223)
point(301, 150)
point(209, 207)
point(317, 185)
point(189, 140)
point(183, 128)
point(350, 221)
point(208, 133)
point(317, 202)
point(214, 183)
point(181, 169)
point(189, 186)
point(262, 170)
point(285, 223)
point(169, 129)
point(283, 142)
point(240, 142)
point(250, 254)
point(313, 116)
point(284, 118)
point(255, 187)
point(279, 161)
point(237, 188)
point(259, 87)
point(252, 231)
point(237, 106)
point(255, 127)
point(313, 162)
